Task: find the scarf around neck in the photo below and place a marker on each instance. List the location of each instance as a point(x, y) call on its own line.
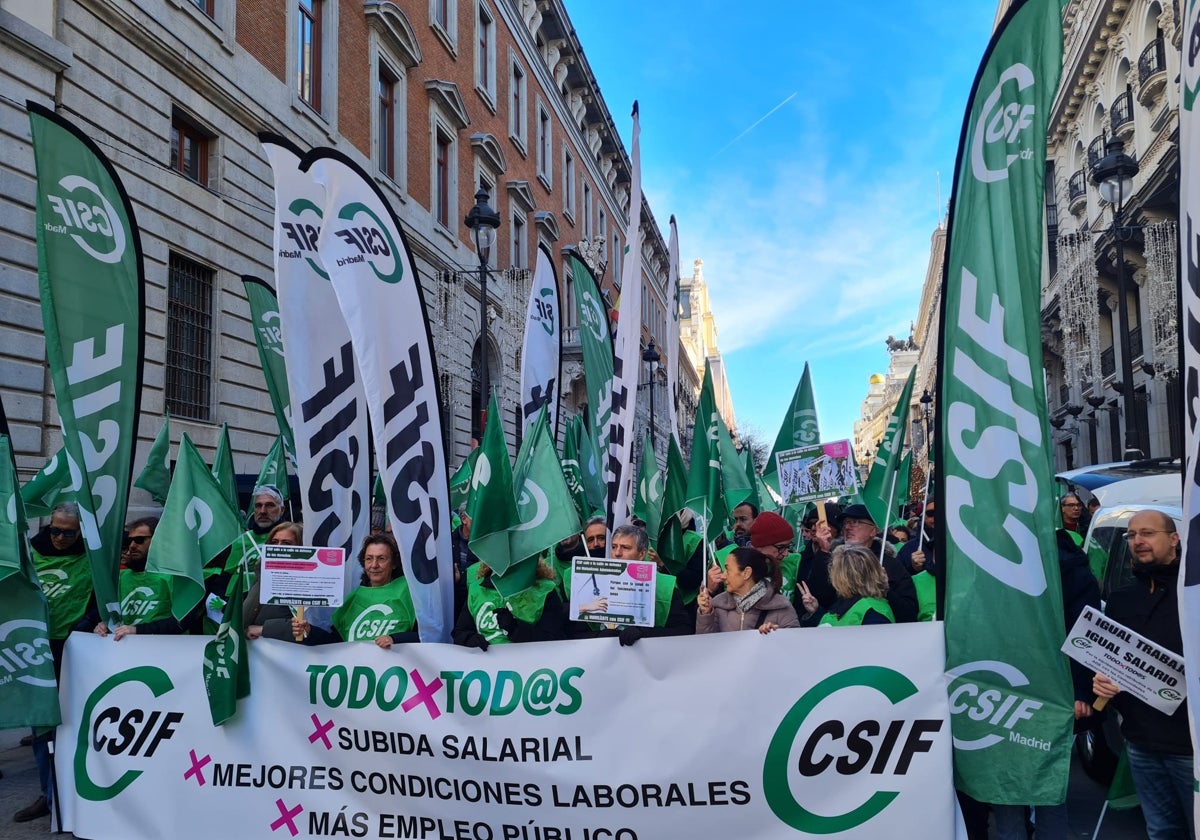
point(746, 602)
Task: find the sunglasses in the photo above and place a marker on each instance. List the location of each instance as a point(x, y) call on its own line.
point(135, 541)
point(69, 533)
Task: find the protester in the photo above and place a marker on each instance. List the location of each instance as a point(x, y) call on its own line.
point(382, 596)
point(918, 556)
point(750, 601)
point(271, 620)
point(858, 528)
point(899, 534)
point(534, 615)
point(771, 534)
point(145, 596)
point(743, 520)
point(267, 513)
point(595, 536)
point(1074, 517)
point(861, 586)
point(629, 542)
point(812, 573)
point(1159, 746)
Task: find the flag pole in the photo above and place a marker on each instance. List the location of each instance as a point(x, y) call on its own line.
point(924, 500)
point(891, 500)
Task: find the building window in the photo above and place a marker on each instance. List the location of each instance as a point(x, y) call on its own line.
point(587, 210)
point(308, 46)
point(485, 54)
point(544, 168)
point(189, 339)
point(443, 178)
point(616, 260)
point(519, 241)
point(517, 117)
point(385, 130)
point(205, 6)
point(568, 183)
point(189, 148)
point(603, 226)
point(443, 16)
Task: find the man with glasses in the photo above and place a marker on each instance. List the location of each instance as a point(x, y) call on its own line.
point(1159, 745)
point(858, 528)
point(918, 554)
point(145, 596)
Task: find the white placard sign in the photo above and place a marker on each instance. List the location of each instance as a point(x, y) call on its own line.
point(302, 575)
point(809, 473)
point(582, 740)
point(1149, 672)
point(613, 591)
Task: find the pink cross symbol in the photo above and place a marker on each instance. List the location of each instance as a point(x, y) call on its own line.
point(197, 767)
point(321, 732)
point(424, 695)
point(287, 816)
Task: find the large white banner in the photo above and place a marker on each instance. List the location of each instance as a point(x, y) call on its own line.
point(371, 271)
point(329, 405)
point(695, 736)
point(540, 358)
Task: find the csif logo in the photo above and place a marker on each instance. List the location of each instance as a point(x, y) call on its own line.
point(833, 747)
point(543, 307)
point(987, 702)
point(1191, 56)
point(304, 234)
point(373, 622)
point(122, 730)
point(139, 601)
point(1003, 121)
point(371, 241)
point(532, 495)
point(87, 215)
point(24, 646)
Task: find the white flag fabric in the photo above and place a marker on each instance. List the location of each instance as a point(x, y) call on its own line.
point(627, 350)
point(540, 359)
point(1189, 223)
point(329, 405)
point(371, 270)
point(672, 337)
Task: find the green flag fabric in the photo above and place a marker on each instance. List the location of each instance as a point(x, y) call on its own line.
point(591, 469)
point(29, 697)
point(704, 473)
point(223, 471)
point(268, 336)
point(736, 484)
point(274, 468)
point(155, 477)
point(670, 543)
point(648, 500)
point(903, 487)
point(227, 659)
point(880, 490)
point(596, 346)
point(491, 506)
point(460, 482)
point(1003, 605)
point(55, 483)
point(545, 514)
point(571, 470)
point(799, 427)
point(90, 282)
point(196, 525)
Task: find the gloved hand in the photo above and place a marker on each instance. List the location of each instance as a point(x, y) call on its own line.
point(505, 620)
point(477, 640)
point(630, 635)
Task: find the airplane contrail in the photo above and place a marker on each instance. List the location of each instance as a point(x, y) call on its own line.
point(756, 123)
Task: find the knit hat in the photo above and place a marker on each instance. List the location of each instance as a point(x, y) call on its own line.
point(770, 529)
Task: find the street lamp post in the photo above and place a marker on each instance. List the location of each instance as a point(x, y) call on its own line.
point(483, 222)
point(927, 416)
point(651, 357)
point(1113, 176)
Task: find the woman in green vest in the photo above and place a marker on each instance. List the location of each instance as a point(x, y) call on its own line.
point(534, 614)
point(379, 610)
point(861, 586)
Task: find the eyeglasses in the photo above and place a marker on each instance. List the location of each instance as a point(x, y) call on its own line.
point(1071, 505)
point(1146, 534)
point(782, 548)
point(856, 522)
point(69, 533)
point(136, 540)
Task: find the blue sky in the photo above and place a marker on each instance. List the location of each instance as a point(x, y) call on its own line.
point(814, 225)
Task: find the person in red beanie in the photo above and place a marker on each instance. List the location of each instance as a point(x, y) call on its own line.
point(773, 536)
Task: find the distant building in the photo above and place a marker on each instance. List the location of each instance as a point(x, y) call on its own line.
point(882, 395)
point(698, 335)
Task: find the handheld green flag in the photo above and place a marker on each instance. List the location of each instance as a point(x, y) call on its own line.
point(571, 470)
point(264, 314)
point(491, 505)
point(54, 484)
point(223, 471)
point(227, 659)
point(155, 477)
point(196, 525)
point(1003, 605)
point(670, 544)
point(29, 696)
point(883, 480)
point(274, 468)
point(903, 486)
point(460, 482)
point(736, 484)
point(704, 473)
point(591, 470)
point(648, 501)
point(799, 427)
point(545, 514)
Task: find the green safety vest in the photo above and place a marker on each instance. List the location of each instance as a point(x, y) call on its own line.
point(854, 616)
point(483, 601)
point(926, 586)
point(373, 611)
point(67, 584)
point(145, 597)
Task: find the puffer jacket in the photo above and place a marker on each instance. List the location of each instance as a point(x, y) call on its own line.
point(725, 616)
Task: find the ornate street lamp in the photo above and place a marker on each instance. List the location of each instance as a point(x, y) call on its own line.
point(651, 357)
point(1113, 176)
point(483, 222)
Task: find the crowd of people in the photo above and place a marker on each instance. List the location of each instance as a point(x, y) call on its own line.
point(845, 569)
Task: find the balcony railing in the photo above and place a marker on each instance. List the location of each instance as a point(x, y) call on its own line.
point(1064, 394)
point(1135, 342)
point(1095, 151)
point(1108, 362)
point(1152, 60)
point(1077, 191)
point(1121, 113)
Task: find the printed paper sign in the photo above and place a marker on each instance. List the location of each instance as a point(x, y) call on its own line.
point(302, 575)
point(613, 591)
point(1150, 673)
point(816, 472)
